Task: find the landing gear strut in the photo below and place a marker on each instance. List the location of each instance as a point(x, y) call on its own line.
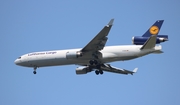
point(93, 62)
point(34, 72)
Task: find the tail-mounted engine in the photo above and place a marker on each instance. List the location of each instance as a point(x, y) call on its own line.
point(83, 70)
point(73, 54)
point(139, 40)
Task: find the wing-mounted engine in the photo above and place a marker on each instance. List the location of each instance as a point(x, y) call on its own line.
point(139, 40)
point(83, 70)
point(73, 54)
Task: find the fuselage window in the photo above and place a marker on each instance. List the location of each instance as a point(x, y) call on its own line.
point(19, 57)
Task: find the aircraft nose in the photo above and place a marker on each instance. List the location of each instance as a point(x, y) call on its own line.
point(17, 62)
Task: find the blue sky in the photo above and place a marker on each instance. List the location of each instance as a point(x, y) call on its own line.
point(36, 25)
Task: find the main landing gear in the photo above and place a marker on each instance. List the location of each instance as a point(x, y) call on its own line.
point(34, 72)
point(99, 72)
point(93, 62)
point(97, 65)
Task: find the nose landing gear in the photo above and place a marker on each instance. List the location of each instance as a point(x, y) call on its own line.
point(34, 72)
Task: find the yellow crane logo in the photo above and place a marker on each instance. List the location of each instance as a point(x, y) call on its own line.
point(154, 30)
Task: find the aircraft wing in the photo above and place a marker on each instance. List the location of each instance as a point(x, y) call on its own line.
point(99, 41)
point(109, 68)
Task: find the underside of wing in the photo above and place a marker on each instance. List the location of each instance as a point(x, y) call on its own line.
point(103, 67)
point(108, 68)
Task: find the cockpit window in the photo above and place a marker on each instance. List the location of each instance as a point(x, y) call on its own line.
point(19, 57)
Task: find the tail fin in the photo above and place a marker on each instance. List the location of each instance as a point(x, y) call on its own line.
point(154, 29)
point(150, 43)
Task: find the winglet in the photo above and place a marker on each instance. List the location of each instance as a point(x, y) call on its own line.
point(110, 22)
point(150, 43)
point(135, 70)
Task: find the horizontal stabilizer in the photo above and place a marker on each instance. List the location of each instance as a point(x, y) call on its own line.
point(150, 43)
point(158, 52)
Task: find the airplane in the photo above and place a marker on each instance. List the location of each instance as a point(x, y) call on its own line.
point(95, 56)
point(153, 30)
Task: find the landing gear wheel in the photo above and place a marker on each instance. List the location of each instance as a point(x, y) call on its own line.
point(95, 62)
point(97, 72)
point(34, 72)
point(101, 72)
point(91, 62)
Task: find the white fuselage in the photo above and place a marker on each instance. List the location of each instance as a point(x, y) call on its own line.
point(59, 57)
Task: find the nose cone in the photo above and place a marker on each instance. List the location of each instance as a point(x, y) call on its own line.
point(17, 62)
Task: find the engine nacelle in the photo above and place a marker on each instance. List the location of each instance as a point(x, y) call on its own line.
point(73, 54)
point(139, 40)
point(83, 70)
